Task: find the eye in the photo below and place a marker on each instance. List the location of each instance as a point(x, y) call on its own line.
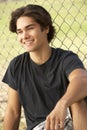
point(30, 28)
point(19, 32)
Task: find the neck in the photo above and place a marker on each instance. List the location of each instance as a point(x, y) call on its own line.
point(41, 56)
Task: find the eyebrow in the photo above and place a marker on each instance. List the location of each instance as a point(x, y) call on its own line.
point(25, 27)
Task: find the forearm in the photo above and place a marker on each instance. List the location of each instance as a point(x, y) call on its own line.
point(79, 115)
point(11, 121)
point(76, 91)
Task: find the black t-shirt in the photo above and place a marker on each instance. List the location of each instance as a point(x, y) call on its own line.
point(40, 86)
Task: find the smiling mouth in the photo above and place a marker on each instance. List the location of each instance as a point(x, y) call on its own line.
point(29, 42)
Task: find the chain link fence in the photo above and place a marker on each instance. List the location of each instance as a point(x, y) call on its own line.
point(70, 20)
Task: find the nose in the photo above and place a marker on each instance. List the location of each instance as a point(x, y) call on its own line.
point(25, 35)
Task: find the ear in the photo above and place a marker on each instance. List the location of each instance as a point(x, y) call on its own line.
point(47, 30)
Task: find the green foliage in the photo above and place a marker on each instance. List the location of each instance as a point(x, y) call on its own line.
point(70, 21)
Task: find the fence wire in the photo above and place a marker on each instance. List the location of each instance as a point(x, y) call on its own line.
point(70, 20)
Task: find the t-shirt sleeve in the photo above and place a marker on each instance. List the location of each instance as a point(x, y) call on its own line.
point(71, 62)
point(9, 75)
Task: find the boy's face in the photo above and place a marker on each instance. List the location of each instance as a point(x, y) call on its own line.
point(30, 34)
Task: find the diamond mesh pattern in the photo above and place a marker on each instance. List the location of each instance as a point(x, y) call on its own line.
point(70, 20)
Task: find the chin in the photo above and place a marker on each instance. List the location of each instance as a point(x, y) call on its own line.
point(32, 49)
point(29, 50)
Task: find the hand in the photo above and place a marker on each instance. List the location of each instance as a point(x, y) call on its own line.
point(55, 120)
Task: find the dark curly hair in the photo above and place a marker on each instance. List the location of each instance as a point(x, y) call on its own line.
point(38, 13)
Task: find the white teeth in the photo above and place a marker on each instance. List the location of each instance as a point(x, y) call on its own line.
point(28, 42)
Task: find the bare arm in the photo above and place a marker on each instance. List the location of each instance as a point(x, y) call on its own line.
point(13, 111)
point(79, 115)
point(77, 88)
point(76, 91)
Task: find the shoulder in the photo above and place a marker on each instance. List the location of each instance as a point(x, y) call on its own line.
point(63, 53)
point(20, 58)
point(69, 60)
point(63, 56)
point(18, 61)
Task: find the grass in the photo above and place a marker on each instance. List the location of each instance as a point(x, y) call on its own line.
point(70, 21)
point(69, 18)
